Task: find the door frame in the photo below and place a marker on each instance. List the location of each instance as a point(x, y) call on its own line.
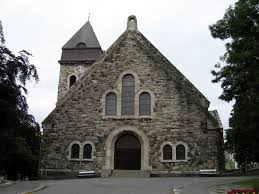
point(122, 162)
point(110, 146)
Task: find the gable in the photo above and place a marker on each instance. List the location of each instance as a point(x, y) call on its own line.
point(172, 71)
point(150, 52)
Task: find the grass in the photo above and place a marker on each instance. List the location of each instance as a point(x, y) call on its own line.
point(250, 183)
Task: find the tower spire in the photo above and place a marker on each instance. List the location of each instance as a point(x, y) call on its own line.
point(84, 35)
point(89, 15)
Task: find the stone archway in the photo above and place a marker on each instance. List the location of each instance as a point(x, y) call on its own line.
point(110, 146)
point(127, 152)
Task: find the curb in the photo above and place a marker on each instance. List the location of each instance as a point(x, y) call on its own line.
point(176, 191)
point(6, 184)
point(33, 190)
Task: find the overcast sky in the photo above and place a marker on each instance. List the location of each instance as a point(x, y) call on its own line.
point(178, 28)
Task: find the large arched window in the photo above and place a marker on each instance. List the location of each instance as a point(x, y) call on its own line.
point(144, 104)
point(111, 104)
point(87, 153)
point(128, 95)
point(180, 152)
point(167, 152)
point(75, 151)
point(72, 80)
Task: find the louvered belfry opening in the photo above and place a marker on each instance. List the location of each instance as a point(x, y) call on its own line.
point(82, 48)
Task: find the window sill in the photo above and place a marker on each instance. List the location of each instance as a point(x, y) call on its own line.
point(175, 161)
point(89, 160)
point(128, 117)
point(80, 160)
point(167, 161)
point(181, 161)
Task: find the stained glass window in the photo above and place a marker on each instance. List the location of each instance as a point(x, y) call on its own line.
point(111, 104)
point(128, 95)
point(75, 151)
point(144, 104)
point(180, 152)
point(167, 152)
point(87, 154)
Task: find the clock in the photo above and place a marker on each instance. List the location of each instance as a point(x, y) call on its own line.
point(79, 69)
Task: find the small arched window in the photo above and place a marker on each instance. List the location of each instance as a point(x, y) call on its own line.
point(167, 152)
point(72, 80)
point(145, 104)
point(81, 45)
point(111, 104)
point(75, 151)
point(87, 154)
point(128, 95)
point(180, 152)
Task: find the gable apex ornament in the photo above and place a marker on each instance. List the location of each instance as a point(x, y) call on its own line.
point(132, 23)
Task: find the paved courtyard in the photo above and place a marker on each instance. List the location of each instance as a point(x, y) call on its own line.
point(187, 185)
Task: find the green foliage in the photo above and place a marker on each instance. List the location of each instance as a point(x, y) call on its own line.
point(238, 72)
point(19, 132)
point(250, 183)
point(230, 164)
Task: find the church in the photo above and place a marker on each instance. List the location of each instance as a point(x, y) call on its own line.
point(127, 110)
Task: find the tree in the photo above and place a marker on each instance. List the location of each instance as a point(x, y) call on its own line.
point(238, 72)
point(19, 132)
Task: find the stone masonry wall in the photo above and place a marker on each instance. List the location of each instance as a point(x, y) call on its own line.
point(177, 115)
point(66, 70)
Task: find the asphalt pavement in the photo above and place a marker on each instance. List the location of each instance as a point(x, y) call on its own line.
point(186, 185)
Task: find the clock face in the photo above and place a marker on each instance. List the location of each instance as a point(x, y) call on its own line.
point(79, 69)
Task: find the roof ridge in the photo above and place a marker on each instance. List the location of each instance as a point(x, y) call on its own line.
point(166, 61)
point(215, 115)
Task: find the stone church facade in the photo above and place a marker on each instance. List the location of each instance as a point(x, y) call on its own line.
point(127, 108)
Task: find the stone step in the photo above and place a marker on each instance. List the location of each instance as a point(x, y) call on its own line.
point(129, 173)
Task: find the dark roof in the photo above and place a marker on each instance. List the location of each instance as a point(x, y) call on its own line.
point(82, 47)
point(80, 55)
point(84, 35)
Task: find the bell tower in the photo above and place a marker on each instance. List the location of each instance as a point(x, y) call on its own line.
point(78, 54)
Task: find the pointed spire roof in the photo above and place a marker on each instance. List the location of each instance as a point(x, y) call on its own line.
point(85, 35)
point(83, 47)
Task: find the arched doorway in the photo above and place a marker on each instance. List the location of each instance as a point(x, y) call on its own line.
point(127, 153)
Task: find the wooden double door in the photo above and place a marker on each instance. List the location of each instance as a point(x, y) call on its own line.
point(127, 153)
